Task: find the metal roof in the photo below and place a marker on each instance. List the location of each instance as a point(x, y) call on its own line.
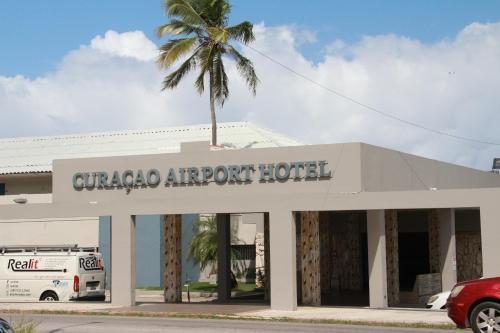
point(35, 154)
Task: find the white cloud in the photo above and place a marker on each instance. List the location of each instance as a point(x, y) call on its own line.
point(132, 44)
point(113, 83)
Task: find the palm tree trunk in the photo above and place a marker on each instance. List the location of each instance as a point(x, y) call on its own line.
point(212, 111)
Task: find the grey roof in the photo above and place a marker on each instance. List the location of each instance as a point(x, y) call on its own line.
point(35, 154)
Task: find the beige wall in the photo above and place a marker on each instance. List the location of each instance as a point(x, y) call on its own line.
point(390, 170)
point(27, 184)
point(81, 231)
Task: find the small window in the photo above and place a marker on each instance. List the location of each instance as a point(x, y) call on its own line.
point(2, 189)
point(244, 252)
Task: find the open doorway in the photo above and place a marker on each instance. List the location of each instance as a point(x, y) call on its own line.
point(342, 258)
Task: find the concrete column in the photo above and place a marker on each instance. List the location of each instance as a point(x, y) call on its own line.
point(392, 258)
point(310, 256)
point(283, 260)
point(173, 259)
point(377, 266)
point(223, 257)
point(490, 229)
point(447, 248)
point(123, 260)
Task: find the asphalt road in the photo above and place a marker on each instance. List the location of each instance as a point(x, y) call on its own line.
point(105, 324)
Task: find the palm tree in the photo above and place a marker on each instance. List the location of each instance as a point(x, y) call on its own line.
point(203, 246)
point(206, 37)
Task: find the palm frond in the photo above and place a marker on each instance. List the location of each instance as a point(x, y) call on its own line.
point(172, 50)
point(245, 68)
point(172, 80)
point(242, 32)
point(177, 27)
point(220, 80)
point(215, 12)
point(185, 11)
point(218, 34)
point(205, 59)
point(200, 82)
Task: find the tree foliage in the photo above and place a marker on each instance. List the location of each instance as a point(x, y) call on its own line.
point(204, 39)
point(203, 246)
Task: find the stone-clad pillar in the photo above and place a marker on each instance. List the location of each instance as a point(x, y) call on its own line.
point(377, 266)
point(123, 260)
point(173, 259)
point(310, 255)
point(392, 260)
point(434, 252)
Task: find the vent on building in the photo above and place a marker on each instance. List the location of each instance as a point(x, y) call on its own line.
point(496, 165)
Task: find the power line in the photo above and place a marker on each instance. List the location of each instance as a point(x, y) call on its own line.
point(371, 108)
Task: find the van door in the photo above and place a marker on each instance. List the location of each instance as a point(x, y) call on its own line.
point(92, 281)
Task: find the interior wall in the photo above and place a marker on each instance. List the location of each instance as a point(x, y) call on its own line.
point(149, 251)
point(346, 248)
point(413, 246)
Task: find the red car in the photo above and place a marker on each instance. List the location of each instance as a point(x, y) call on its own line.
point(476, 304)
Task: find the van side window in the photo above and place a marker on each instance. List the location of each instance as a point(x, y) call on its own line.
point(2, 189)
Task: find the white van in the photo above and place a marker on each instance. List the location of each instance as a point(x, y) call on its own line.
point(48, 273)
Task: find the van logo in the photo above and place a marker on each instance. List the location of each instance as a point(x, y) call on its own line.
point(30, 265)
point(91, 264)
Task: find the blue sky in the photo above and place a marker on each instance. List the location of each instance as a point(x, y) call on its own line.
point(35, 35)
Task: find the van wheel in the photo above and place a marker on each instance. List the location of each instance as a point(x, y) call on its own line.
point(485, 318)
point(49, 296)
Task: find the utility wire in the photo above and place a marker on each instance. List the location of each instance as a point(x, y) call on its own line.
point(366, 106)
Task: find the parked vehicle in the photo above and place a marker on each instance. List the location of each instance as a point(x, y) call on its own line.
point(476, 304)
point(438, 301)
point(50, 273)
point(5, 327)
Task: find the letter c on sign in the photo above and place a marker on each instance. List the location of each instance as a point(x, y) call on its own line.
point(78, 181)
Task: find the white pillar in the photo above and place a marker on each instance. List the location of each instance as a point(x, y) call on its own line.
point(447, 248)
point(377, 258)
point(490, 229)
point(122, 260)
point(283, 260)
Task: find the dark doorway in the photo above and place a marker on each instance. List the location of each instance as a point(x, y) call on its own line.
point(413, 258)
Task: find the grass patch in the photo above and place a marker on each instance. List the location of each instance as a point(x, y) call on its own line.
point(151, 288)
point(212, 288)
point(245, 287)
point(201, 287)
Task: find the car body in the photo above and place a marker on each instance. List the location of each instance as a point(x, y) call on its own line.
point(5, 327)
point(438, 301)
point(476, 304)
